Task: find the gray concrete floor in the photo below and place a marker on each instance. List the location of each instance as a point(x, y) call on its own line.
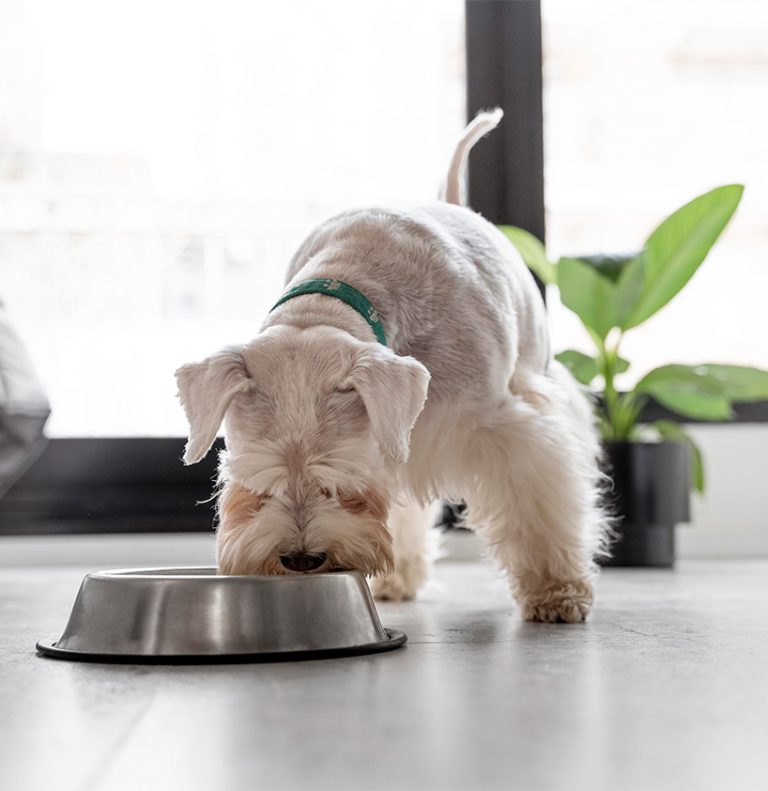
point(666, 687)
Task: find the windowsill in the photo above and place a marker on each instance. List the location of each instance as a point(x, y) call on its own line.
point(197, 549)
point(108, 551)
point(161, 549)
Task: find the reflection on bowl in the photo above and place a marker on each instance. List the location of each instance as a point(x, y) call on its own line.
point(195, 615)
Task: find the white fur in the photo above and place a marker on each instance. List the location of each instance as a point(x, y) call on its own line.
point(480, 125)
point(414, 546)
point(334, 449)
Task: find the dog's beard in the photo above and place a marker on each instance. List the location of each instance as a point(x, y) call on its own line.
point(256, 530)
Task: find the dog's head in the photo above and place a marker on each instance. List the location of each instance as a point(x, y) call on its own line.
point(315, 422)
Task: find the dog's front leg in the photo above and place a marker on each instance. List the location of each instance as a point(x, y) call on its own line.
point(535, 503)
point(546, 558)
point(409, 526)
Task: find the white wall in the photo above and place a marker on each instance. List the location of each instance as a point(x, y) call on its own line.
point(731, 518)
point(109, 551)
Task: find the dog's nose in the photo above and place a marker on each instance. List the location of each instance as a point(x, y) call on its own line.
point(300, 561)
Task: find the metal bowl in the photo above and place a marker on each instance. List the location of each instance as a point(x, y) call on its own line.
point(178, 615)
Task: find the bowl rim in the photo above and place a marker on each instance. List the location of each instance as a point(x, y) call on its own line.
point(194, 573)
point(395, 639)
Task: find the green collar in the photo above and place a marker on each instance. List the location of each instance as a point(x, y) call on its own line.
point(344, 292)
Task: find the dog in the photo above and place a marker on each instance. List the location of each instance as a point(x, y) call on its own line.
point(407, 361)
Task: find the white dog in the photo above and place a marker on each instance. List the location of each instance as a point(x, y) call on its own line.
point(408, 361)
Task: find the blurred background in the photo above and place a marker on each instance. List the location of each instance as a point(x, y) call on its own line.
point(159, 163)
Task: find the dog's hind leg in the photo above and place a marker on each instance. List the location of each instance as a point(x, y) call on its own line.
point(410, 526)
point(535, 499)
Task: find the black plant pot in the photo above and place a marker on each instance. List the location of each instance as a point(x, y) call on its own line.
point(651, 494)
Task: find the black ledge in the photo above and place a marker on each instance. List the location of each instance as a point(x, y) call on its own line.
point(756, 412)
point(140, 485)
point(112, 485)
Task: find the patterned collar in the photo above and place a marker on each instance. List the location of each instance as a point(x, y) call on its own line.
point(344, 292)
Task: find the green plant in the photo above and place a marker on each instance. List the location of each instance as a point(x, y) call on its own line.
point(614, 294)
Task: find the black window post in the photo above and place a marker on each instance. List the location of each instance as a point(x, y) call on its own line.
point(504, 69)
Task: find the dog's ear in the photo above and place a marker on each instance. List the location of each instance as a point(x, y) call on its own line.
point(205, 391)
point(393, 390)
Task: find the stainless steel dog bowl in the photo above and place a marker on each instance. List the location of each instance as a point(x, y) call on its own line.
point(178, 615)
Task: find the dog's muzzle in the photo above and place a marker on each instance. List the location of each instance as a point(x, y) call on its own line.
point(301, 562)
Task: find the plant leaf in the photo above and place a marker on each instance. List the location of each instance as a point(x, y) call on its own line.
point(532, 251)
point(676, 433)
point(738, 383)
point(677, 247)
point(582, 366)
point(625, 413)
point(621, 365)
point(687, 390)
point(590, 295)
point(629, 287)
point(610, 266)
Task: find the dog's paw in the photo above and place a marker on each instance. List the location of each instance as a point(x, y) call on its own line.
point(567, 602)
point(402, 584)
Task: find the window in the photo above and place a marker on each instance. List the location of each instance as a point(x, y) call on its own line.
point(159, 163)
point(647, 105)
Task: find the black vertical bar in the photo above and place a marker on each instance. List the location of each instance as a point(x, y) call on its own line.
point(504, 69)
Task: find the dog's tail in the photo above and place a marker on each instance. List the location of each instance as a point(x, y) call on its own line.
point(480, 125)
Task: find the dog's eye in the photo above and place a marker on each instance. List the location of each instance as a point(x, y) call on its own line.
point(355, 503)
